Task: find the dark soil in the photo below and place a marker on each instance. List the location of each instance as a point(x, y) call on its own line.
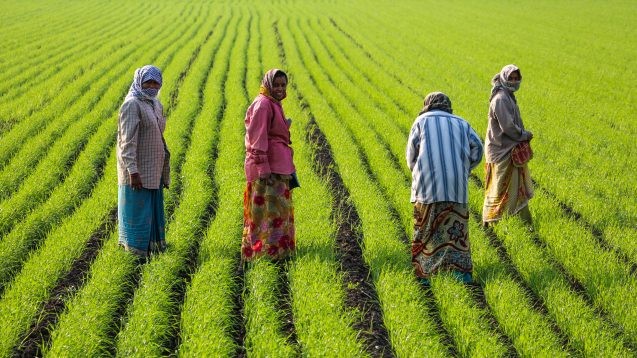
point(239, 327)
point(360, 293)
point(39, 334)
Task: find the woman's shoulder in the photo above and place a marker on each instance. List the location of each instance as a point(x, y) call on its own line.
point(130, 103)
point(262, 102)
point(502, 96)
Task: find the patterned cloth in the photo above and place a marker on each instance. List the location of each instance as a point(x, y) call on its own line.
point(141, 220)
point(441, 239)
point(507, 190)
point(268, 217)
point(437, 100)
point(441, 151)
point(143, 74)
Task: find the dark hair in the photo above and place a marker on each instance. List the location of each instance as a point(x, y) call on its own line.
point(280, 73)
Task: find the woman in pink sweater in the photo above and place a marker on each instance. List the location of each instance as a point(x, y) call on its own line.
point(267, 202)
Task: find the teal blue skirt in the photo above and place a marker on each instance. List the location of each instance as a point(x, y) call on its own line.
point(141, 220)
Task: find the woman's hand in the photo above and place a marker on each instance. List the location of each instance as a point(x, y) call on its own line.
point(135, 181)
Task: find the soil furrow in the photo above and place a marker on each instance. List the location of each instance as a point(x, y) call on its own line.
point(575, 285)
point(360, 293)
point(597, 233)
point(39, 334)
point(371, 57)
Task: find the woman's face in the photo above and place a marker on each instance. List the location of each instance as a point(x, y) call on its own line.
point(279, 87)
point(151, 84)
point(514, 76)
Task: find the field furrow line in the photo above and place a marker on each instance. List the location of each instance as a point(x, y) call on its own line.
point(47, 70)
point(213, 304)
point(26, 149)
point(566, 302)
point(84, 335)
point(580, 272)
point(39, 334)
point(360, 294)
point(316, 284)
point(532, 328)
point(509, 269)
point(182, 136)
point(396, 282)
point(22, 299)
point(623, 249)
point(57, 202)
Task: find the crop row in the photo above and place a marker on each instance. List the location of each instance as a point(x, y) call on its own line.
point(333, 81)
point(72, 334)
point(23, 297)
point(564, 289)
point(555, 148)
point(50, 59)
point(564, 258)
point(63, 199)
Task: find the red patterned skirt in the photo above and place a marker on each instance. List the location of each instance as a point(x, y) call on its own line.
point(268, 219)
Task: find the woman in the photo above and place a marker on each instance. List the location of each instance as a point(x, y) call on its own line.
point(508, 187)
point(441, 151)
point(143, 168)
point(267, 202)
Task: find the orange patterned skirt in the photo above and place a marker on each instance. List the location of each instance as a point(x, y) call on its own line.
point(507, 190)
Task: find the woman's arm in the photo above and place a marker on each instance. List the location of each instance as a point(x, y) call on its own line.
point(257, 133)
point(413, 146)
point(129, 119)
point(505, 113)
point(475, 149)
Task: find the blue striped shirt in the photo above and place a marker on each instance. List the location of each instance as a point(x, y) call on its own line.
point(441, 151)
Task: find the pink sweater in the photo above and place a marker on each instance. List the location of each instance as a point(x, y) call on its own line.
point(267, 140)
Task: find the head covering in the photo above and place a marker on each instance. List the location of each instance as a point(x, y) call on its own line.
point(501, 81)
point(437, 100)
point(268, 81)
point(144, 74)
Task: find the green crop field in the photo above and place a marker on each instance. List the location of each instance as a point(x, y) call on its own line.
point(359, 71)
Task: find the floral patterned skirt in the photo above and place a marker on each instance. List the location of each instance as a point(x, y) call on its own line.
point(507, 190)
point(268, 219)
point(441, 239)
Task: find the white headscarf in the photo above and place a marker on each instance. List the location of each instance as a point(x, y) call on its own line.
point(143, 74)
